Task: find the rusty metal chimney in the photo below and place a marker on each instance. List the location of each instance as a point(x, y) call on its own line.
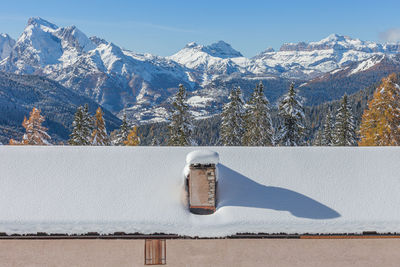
point(202, 181)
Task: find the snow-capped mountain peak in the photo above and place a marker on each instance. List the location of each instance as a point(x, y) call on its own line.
point(39, 22)
point(209, 61)
point(192, 45)
point(36, 47)
point(6, 45)
point(221, 49)
point(334, 37)
point(269, 50)
point(5, 36)
point(92, 66)
point(338, 43)
point(43, 44)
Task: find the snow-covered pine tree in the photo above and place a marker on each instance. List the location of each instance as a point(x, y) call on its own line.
point(35, 133)
point(87, 119)
point(345, 133)
point(76, 137)
point(82, 128)
point(231, 131)
point(155, 142)
point(180, 127)
point(123, 133)
point(381, 120)
point(291, 114)
point(258, 124)
point(99, 134)
point(155, 139)
point(318, 140)
point(132, 138)
point(328, 134)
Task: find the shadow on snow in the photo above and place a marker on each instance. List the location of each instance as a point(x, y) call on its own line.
point(234, 189)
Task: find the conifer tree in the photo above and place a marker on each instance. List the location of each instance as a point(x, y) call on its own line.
point(155, 142)
point(99, 134)
point(35, 133)
point(180, 127)
point(318, 140)
point(231, 131)
point(82, 127)
point(291, 113)
point(258, 124)
point(123, 133)
point(345, 134)
point(381, 120)
point(132, 138)
point(328, 134)
point(87, 118)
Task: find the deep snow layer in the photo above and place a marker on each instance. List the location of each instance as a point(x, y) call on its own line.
point(141, 189)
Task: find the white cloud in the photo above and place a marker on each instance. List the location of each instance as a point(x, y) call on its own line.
point(391, 35)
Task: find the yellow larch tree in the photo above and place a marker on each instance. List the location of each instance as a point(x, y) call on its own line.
point(35, 133)
point(132, 139)
point(380, 124)
point(99, 134)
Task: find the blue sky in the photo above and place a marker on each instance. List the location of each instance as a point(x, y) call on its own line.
point(251, 26)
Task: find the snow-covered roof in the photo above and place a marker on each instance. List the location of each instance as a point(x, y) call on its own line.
point(141, 189)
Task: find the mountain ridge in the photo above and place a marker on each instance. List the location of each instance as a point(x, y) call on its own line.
point(141, 85)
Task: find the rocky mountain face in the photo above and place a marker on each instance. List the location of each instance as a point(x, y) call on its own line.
point(140, 85)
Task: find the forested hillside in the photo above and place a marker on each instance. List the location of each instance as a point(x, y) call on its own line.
point(206, 131)
point(20, 93)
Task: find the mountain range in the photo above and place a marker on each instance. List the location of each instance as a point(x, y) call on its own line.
point(140, 85)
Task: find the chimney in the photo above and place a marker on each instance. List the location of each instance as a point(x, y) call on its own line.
point(202, 181)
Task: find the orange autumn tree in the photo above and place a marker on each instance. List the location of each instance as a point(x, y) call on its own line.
point(381, 121)
point(35, 133)
point(99, 134)
point(132, 139)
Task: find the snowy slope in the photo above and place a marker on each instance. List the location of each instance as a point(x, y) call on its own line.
point(141, 189)
point(367, 64)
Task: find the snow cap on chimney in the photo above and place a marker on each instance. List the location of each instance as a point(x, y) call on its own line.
point(202, 157)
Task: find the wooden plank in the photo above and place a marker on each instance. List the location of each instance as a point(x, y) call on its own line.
point(147, 252)
point(157, 251)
